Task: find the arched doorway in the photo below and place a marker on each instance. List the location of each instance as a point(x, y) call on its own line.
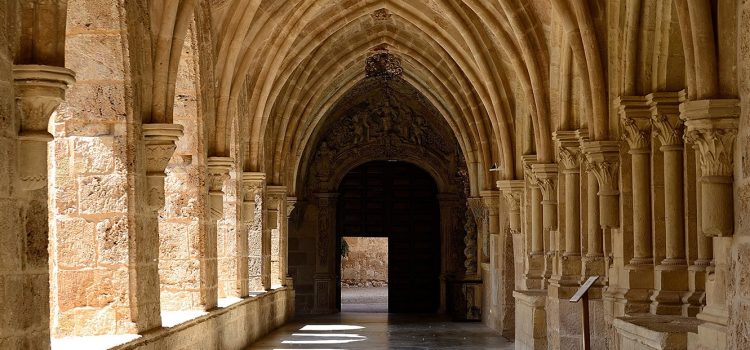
point(396, 200)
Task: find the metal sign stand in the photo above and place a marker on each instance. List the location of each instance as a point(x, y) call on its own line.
point(583, 294)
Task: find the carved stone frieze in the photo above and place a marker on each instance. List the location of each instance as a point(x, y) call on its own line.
point(382, 63)
point(470, 242)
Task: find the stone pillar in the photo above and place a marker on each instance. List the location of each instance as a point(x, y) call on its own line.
point(291, 203)
point(218, 172)
point(670, 276)
point(513, 191)
point(712, 128)
point(534, 274)
point(603, 188)
point(546, 175)
point(635, 115)
point(562, 326)
point(325, 280)
point(253, 185)
point(276, 210)
point(25, 301)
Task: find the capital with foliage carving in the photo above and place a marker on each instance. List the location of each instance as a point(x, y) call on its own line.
point(665, 115)
point(569, 151)
point(513, 193)
point(603, 160)
point(635, 116)
point(712, 129)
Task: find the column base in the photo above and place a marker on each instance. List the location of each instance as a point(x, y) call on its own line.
point(531, 319)
point(638, 283)
point(710, 336)
point(693, 301)
point(670, 285)
point(651, 332)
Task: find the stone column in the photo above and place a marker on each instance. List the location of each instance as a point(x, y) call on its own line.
point(276, 209)
point(670, 276)
point(513, 191)
point(24, 227)
point(254, 184)
point(712, 128)
point(546, 175)
point(325, 288)
point(534, 274)
point(567, 280)
point(217, 172)
point(635, 116)
point(291, 203)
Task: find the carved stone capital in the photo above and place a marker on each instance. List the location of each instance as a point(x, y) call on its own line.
point(569, 151)
point(39, 90)
point(512, 192)
point(665, 114)
point(546, 175)
point(291, 203)
point(217, 172)
point(603, 160)
point(477, 208)
point(635, 116)
point(253, 184)
point(159, 142)
point(712, 129)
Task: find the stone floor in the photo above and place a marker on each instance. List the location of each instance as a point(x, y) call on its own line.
point(382, 331)
point(371, 299)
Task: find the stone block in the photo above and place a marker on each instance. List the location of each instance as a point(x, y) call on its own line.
point(182, 274)
point(88, 17)
point(10, 239)
point(36, 226)
point(93, 102)
point(174, 238)
point(91, 288)
point(76, 243)
point(112, 241)
point(98, 57)
point(93, 155)
point(102, 194)
point(64, 195)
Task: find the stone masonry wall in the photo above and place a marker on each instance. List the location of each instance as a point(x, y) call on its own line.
point(366, 265)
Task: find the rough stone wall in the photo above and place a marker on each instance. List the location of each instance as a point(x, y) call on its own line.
point(738, 298)
point(89, 182)
point(366, 265)
point(302, 256)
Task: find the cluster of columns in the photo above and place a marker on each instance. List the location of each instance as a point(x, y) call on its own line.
point(652, 216)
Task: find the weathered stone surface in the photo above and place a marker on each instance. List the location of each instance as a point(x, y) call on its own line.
point(102, 194)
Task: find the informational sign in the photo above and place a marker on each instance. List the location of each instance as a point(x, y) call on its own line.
point(583, 289)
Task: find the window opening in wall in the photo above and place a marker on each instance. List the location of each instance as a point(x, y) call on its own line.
point(364, 274)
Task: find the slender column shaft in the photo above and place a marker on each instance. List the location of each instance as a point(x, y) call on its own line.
point(572, 214)
point(595, 248)
point(674, 206)
point(642, 251)
point(537, 232)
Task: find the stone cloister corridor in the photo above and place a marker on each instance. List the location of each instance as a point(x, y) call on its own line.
point(178, 174)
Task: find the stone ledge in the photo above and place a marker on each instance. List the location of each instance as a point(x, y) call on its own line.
point(654, 331)
point(536, 298)
point(186, 334)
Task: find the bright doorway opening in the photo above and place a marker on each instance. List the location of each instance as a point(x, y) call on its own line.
point(364, 274)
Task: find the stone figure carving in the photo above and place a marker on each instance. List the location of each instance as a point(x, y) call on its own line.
point(418, 130)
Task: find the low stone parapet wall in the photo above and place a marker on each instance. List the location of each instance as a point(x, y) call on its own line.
point(233, 327)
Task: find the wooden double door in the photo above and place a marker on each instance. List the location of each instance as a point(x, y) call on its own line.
point(397, 200)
